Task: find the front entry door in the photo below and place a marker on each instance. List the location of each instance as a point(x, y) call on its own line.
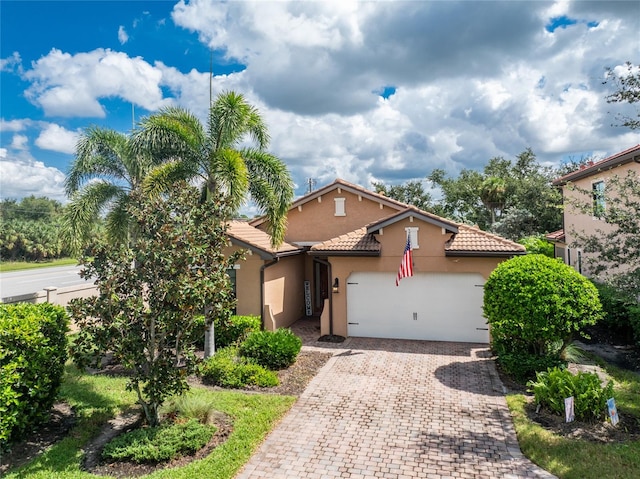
point(321, 286)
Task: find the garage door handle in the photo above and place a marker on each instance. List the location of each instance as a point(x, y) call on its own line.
point(353, 323)
point(482, 329)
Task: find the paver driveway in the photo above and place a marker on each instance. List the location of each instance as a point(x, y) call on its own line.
point(397, 409)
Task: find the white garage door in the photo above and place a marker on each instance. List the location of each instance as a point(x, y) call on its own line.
point(431, 306)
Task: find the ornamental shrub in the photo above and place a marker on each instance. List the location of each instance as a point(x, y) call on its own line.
point(551, 387)
point(33, 350)
point(620, 312)
point(160, 443)
point(533, 303)
point(272, 349)
point(227, 331)
point(228, 370)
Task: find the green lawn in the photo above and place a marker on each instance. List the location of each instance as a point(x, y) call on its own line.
point(98, 398)
point(6, 266)
point(576, 459)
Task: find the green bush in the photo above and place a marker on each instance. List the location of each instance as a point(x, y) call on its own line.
point(161, 443)
point(227, 332)
point(551, 387)
point(621, 312)
point(226, 369)
point(272, 349)
point(33, 350)
point(533, 303)
point(523, 366)
point(537, 245)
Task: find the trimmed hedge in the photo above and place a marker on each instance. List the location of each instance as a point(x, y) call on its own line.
point(227, 333)
point(621, 312)
point(272, 349)
point(228, 370)
point(33, 351)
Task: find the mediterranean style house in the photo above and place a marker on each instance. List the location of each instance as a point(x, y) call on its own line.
point(339, 263)
point(588, 187)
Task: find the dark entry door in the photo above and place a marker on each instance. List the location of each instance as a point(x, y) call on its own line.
point(321, 286)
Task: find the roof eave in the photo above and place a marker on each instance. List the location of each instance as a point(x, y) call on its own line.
point(485, 254)
point(343, 253)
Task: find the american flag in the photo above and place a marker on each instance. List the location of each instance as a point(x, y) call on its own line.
point(406, 266)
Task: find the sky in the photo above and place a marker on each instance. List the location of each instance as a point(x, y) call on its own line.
point(363, 91)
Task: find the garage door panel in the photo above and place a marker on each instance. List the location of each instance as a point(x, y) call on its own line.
point(441, 307)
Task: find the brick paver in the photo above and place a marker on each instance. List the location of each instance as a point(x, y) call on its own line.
point(398, 410)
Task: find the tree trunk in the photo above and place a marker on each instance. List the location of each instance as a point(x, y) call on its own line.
point(209, 340)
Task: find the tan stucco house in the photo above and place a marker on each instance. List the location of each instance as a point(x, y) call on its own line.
point(339, 263)
point(588, 187)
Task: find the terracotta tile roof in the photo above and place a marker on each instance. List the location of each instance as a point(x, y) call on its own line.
point(416, 213)
point(472, 240)
point(356, 242)
point(626, 156)
point(556, 236)
point(243, 234)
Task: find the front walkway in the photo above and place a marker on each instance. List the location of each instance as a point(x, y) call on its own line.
point(396, 409)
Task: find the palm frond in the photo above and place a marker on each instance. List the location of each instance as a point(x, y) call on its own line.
point(228, 176)
point(119, 222)
point(160, 178)
point(169, 135)
point(231, 118)
point(81, 214)
point(271, 188)
point(99, 153)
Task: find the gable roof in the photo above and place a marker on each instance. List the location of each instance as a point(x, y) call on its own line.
point(344, 185)
point(626, 156)
point(465, 240)
point(356, 243)
point(472, 241)
point(416, 213)
point(242, 234)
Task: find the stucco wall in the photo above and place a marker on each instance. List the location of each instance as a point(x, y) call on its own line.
point(317, 220)
point(429, 257)
point(284, 290)
point(576, 220)
point(247, 283)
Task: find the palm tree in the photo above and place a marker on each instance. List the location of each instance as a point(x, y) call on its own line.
point(105, 172)
point(493, 195)
point(216, 156)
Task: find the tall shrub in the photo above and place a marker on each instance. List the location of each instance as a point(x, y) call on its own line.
point(33, 350)
point(535, 305)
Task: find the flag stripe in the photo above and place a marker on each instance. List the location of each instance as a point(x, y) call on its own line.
point(406, 265)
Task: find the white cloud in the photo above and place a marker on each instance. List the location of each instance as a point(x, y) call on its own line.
point(14, 125)
point(19, 142)
point(122, 35)
point(57, 138)
point(71, 85)
point(12, 63)
point(21, 177)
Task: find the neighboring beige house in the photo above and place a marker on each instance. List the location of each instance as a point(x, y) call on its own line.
point(588, 186)
point(339, 262)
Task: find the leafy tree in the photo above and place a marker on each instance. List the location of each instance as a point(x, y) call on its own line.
point(145, 314)
point(514, 199)
point(30, 208)
point(535, 306)
point(411, 193)
point(103, 177)
point(627, 91)
point(216, 157)
point(537, 245)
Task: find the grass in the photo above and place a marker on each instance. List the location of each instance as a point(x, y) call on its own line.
point(6, 266)
point(576, 459)
point(98, 398)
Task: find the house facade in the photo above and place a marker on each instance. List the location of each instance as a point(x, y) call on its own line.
point(584, 193)
point(339, 262)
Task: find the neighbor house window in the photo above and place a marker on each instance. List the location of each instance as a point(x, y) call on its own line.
point(340, 211)
point(598, 199)
point(412, 233)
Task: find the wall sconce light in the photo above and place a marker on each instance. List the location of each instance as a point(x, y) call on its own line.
point(336, 285)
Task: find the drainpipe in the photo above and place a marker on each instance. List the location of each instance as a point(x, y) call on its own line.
point(330, 276)
point(262, 268)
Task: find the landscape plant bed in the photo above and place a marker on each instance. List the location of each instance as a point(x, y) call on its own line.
point(81, 389)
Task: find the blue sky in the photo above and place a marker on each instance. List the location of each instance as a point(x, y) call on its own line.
point(365, 91)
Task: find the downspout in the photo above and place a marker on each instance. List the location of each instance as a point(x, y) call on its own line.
point(262, 268)
point(330, 276)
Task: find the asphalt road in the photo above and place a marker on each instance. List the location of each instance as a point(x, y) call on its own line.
point(29, 281)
